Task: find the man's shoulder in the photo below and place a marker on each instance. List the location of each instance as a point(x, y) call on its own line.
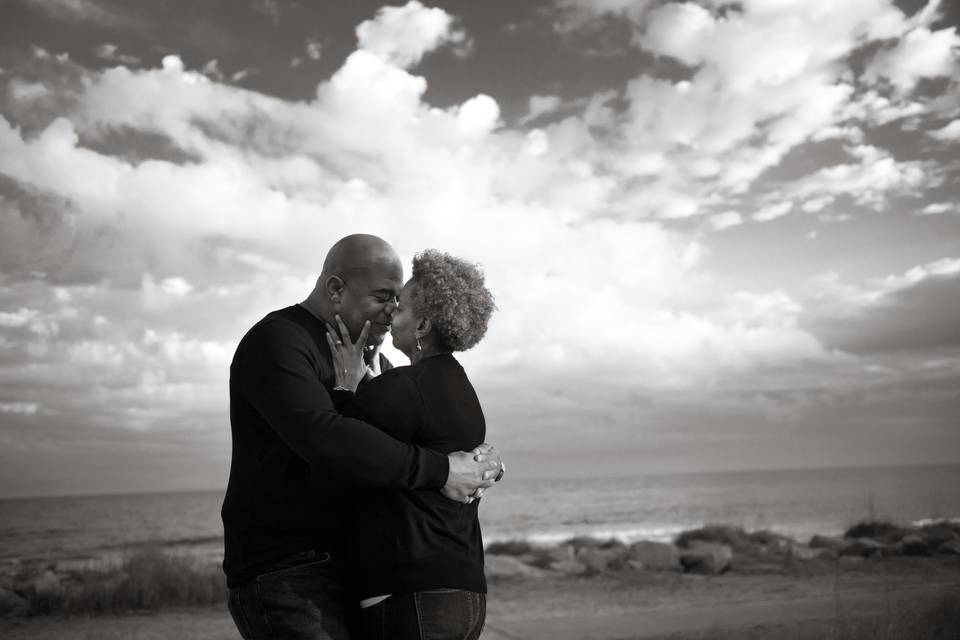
point(282, 324)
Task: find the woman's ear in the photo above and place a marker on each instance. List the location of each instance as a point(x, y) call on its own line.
point(333, 287)
point(424, 326)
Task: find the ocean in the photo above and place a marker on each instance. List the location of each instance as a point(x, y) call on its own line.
point(89, 529)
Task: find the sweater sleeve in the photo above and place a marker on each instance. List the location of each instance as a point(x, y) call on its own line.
point(278, 377)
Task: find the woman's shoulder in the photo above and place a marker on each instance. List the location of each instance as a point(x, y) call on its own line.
point(402, 378)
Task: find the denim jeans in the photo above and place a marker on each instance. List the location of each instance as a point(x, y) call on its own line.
point(303, 598)
point(439, 614)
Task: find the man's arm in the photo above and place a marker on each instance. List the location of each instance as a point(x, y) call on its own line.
point(390, 401)
point(276, 376)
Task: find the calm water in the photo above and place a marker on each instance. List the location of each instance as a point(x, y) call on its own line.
point(652, 507)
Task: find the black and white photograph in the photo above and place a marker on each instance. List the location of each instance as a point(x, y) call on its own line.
point(499, 319)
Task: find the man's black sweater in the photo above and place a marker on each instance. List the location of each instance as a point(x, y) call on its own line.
point(414, 540)
point(285, 430)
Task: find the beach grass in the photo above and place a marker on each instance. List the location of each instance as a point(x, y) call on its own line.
point(147, 579)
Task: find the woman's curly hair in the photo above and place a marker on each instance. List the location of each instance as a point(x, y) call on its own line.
point(450, 291)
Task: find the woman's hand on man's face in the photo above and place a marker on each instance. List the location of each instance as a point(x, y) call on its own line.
point(348, 363)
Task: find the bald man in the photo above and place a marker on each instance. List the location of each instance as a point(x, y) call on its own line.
point(286, 515)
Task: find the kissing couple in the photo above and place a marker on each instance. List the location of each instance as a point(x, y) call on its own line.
point(351, 506)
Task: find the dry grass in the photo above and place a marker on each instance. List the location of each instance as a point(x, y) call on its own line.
point(147, 580)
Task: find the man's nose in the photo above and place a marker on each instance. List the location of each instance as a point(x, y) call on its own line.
point(389, 309)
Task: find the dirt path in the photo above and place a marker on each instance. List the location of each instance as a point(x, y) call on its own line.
point(683, 621)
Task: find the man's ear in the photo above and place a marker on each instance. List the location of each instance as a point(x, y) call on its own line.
point(333, 287)
point(424, 327)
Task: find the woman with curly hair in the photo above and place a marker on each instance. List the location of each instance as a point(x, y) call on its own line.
point(418, 557)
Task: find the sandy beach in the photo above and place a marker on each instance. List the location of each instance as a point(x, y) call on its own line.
point(816, 599)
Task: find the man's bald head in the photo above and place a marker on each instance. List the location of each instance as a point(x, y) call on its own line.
point(359, 251)
point(361, 279)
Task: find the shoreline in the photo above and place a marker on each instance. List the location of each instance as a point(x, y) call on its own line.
point(211, 547)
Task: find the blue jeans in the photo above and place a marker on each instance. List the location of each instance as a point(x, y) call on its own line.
point(303, 598)
point(439, 614)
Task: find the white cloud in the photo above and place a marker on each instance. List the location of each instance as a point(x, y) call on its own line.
point(921, 53)
point(679, 30)
point(815, 205)
point(176, 286)
point(773, 211)
point(111, 52)
point(876, 109)
point(212, 70)
point(314, 49)
point(949, 132)
point(22, 408)
point(19, 318)
point(919, 273)
point(842, 298)
point(539, 105)
point(751, 98)
point(940, 207)
point(725, 220)
point(403, 35)
point(867, 181)
point(22, 91)
point(172, 64)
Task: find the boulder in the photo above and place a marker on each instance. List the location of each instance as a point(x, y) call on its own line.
point(881, 530)
point(863, 547)
point(827, 542)
point(655, 556)
point(12, 605)
point(914, 544)
point(560, 553)
point(951, 547)
point(497, 566)
point(598, 559)
point(706, 557)
point(543, 557)
point(938, 533)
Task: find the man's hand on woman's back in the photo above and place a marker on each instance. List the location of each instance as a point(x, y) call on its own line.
point(472, 472)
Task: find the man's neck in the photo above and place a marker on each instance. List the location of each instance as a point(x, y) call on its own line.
point(312, 310)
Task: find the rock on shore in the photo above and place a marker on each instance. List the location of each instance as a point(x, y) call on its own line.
point(714, 549)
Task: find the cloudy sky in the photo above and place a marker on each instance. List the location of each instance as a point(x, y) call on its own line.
point(721, 234)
